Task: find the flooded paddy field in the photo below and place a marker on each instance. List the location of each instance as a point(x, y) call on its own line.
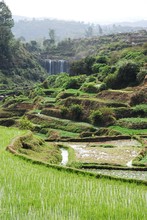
point(120, 152)
point(141, 175)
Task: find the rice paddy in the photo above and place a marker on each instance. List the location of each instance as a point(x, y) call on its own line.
point(35, 192)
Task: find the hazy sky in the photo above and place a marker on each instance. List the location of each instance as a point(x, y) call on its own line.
point(81, 10)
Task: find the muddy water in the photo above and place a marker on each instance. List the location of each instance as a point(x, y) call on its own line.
point(141, 175)
point(122, 153)
point(64, 154)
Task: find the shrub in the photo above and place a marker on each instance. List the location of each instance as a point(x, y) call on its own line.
point(25, 123)
point(45, 84)
point(64, 111)
point(64, 95)
point(127, 74)
point(51, 80)
point(96, 67)
point(61, 79)
point(89, 87)
point(107, 116)
point(75, 111)
point(102, 87)
point(73, 83)
point(138, 98)
point(96, 117)
point(141, 75)
point(104, 116)
point(91, 79)
point(111, 81)
point(101, 59)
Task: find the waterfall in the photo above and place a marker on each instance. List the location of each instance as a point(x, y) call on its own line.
point(56, 66)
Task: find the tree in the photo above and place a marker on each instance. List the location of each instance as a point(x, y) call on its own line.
point(89, 32)
point(127, 74)
point(52, 36)
point(100, 30)
point(50, 43)
point(6, 23)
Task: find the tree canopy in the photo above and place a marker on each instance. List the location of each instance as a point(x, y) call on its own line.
point(6, 23)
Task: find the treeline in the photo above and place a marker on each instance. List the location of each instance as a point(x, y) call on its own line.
point(37, 29)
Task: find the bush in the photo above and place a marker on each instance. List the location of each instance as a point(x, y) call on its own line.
point(64, 111)
point(141, 75)
point(25, 123)
point(91, 79)
point(104, 116)
point(76, 111)
point(96, 117)
point(102, 87)
point(89, 87)
point(96, 67)
point(111, 81)
point(127, 74)
point(72, 83)
point(101, 59)
point(61, 79)
point(64, 95)
point(107, 116)
point(138, 98)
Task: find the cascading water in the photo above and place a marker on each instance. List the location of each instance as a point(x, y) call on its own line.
point(56, 66)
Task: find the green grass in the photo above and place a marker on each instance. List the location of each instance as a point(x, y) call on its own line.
point(140, 108)
point(49, 99)
point(128, 131)
point(37, 149)
point(61, 124)
point(135, 123)
point(35, 192)
point(80, 93)
point(63, 133)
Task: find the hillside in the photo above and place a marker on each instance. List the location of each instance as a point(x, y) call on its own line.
point(19, 67)
point(37, 29)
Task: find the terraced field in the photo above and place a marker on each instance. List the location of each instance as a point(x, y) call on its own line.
point(34, 192)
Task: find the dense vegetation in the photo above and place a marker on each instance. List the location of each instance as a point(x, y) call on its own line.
point(96, 112)
point(17, 65)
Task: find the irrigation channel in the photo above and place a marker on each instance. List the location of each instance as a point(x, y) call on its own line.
point(64, 154)
point(122, 153)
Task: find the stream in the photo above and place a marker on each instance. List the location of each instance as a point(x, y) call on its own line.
point(64, 154)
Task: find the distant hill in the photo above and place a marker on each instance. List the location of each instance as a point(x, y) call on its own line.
point(38, 29)
point(141, 24)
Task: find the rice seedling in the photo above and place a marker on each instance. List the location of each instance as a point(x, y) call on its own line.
point(35, 192)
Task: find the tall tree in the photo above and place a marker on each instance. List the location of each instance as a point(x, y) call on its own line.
point(89, 32)
point(6, 23)
point(52, 36)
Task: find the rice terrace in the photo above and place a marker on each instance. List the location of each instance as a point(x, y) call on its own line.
point(73, 122)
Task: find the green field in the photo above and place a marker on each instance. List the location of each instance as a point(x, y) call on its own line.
point(35, 192)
